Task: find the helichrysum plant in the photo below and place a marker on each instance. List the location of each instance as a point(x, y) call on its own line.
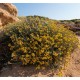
point(40, 41)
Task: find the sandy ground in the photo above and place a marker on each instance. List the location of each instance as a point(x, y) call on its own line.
point(26, 71)
point(72, 69)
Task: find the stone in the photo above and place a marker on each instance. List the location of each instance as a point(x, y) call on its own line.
point(8, 13)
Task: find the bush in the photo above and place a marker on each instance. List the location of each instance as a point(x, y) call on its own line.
point(40, 41)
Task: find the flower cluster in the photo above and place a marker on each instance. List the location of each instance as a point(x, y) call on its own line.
point(40, 41)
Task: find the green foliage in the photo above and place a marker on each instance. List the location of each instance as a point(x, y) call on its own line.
point(40, 41)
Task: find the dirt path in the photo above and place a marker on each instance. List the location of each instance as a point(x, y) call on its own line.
point(72, 70)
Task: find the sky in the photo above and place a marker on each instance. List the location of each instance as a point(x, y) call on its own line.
point(58, 11)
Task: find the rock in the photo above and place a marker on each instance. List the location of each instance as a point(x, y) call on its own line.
point(8, 13)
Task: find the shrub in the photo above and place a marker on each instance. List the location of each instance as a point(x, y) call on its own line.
point(40, 41)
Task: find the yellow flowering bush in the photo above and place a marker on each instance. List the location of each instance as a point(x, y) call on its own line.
point(40, 41)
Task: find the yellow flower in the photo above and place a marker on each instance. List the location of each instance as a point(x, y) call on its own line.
point(33, 54)
point(27, 55)
point(55, 54)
